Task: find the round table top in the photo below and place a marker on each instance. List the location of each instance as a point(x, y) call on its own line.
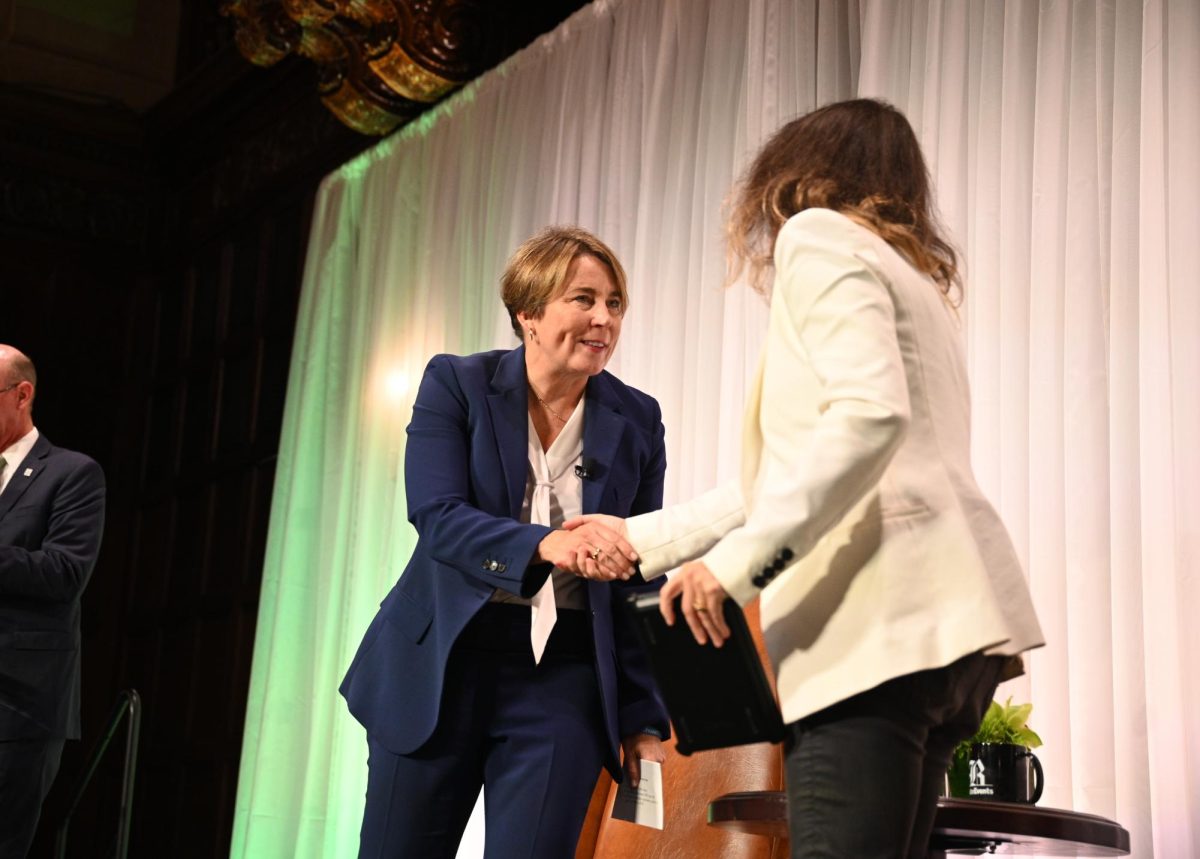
point(962, 826)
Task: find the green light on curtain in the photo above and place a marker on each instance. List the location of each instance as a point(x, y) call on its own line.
point(338, 536)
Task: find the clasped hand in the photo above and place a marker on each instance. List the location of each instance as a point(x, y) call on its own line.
point(592, 550)
point(702, 596)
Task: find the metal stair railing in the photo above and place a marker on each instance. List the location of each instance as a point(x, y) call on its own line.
point(128, 703)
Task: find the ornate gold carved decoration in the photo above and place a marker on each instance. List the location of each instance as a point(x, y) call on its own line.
point(379, 62)
point(400, 72)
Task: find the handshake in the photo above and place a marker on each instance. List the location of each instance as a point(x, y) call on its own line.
point(596, 546)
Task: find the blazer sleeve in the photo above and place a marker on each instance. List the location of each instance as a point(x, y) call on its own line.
point(832, 312)
point(666, 538)
point(59, 569)
point(437, 466)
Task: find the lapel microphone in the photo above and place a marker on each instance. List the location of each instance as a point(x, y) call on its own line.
point(582, 472)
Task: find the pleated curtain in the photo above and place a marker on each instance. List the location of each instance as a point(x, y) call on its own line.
point(1063, 140)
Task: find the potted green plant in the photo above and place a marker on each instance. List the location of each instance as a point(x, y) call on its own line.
point(1007, 723)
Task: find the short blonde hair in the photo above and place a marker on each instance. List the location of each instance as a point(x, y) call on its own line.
point(537, 270)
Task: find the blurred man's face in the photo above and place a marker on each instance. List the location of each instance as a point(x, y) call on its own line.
point(16, 397)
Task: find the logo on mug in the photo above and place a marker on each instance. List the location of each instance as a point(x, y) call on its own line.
point(978, 776)
point(1005, 772)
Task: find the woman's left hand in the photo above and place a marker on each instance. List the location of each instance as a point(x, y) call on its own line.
point(637, 748)
point(703, 602)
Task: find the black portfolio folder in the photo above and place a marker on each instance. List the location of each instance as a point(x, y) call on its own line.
point(716, 697)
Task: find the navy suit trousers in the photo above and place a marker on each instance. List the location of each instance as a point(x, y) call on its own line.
point(532, 736)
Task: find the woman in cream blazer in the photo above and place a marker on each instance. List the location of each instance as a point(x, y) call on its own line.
point(890, 591)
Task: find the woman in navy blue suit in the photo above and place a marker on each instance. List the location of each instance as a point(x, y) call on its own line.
point(500, 658)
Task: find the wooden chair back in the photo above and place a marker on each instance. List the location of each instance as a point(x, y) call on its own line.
point(689, 783)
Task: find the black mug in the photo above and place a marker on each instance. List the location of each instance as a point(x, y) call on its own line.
point(1002, 771)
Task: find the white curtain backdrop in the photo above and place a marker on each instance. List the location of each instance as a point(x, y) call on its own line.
point(1063, 138)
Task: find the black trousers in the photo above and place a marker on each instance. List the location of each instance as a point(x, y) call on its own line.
point(863, 775)
point(27, 769)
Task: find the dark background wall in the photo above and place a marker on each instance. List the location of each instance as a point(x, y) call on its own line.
point(151, 267)
point(150, 263)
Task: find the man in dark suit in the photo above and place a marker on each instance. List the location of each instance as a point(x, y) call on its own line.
point(51, 519)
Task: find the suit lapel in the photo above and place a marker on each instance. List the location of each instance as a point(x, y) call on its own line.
point(508, 404)
point(25, 473)
point(603, 427)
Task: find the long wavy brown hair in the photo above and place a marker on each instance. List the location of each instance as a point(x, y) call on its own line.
point(860, 158)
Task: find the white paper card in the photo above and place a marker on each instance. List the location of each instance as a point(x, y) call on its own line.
point(643, 804)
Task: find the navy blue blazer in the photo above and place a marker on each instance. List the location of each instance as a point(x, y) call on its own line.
point(51, 521)
point(465, 470)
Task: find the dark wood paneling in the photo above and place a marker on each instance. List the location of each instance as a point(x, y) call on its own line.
point(151, 265)
point(168, 364)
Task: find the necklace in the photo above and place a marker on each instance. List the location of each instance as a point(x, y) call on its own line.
point(549, 408)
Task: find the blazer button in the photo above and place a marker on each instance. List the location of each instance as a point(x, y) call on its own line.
point(779, 564)
point(503, 567)
point(493, 566)
point(787, 554)
point(485, 565)
point(759, 582)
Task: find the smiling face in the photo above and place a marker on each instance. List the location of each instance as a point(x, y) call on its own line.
point(578, 328)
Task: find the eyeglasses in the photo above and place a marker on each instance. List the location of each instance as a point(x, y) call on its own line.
point(9, 388)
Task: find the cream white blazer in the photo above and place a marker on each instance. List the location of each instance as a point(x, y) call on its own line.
point(857, 516)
